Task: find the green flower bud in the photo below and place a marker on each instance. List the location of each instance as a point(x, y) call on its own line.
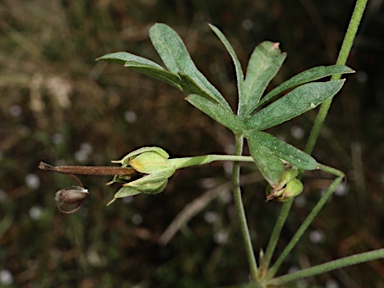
point(153, 167)
point(146, 160)
point(286, 188)
point(293, 188)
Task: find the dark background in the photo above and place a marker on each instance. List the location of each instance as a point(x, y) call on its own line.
point(60, 106)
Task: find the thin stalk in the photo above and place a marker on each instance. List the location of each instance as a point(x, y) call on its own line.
point(206, 159)
point(329, 266)
point(240, 211)
point(272, 271)
point(275, 237)
point(341, 60)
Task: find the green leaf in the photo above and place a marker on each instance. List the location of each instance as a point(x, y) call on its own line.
point(177, 59)
point(295, 103)
point(123, 57)
point(216, 112)
point(189, 86)
point(263, 65)
point(270, 166)
point(143, 66)
point(235, 59)
point(306, 76)
point(282, 150)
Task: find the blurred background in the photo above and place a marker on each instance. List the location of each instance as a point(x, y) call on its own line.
point(60, 106)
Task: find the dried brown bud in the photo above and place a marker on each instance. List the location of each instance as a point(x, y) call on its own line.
point(74, 195)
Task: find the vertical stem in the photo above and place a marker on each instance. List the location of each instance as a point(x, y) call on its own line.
point(240, 209)
point(341, 60)
point(275, 236)
point(304, 226)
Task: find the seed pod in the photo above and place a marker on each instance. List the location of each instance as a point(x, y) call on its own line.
point(74, 195)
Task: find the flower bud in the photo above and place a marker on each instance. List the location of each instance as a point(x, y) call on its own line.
point(153, 166)
point(146, 160)
point(286, 188)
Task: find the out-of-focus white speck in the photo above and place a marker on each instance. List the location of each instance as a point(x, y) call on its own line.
point(86, 148)
point(35, 212)
point(130, 116)
point(6, 277)
point(317, 236)
point(221, 237)
point(342, 189)
point(32, 181)
point(331, 284)
point(297, 132)
point(210, 217)
point(83, 153)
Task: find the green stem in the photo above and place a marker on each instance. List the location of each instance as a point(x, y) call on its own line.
point(272, 271)
point(329, 266)
point(275, 236)
point(341, 60)
point(240, 210)
point(206, 159)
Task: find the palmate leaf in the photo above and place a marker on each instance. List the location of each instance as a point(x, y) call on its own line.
point(175, 56)
point(295, 103)
point(143, 66)
point(263, 65)
point(306, 76)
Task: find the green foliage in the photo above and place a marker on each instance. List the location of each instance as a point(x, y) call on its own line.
point(262, 67)
point(270, 155)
